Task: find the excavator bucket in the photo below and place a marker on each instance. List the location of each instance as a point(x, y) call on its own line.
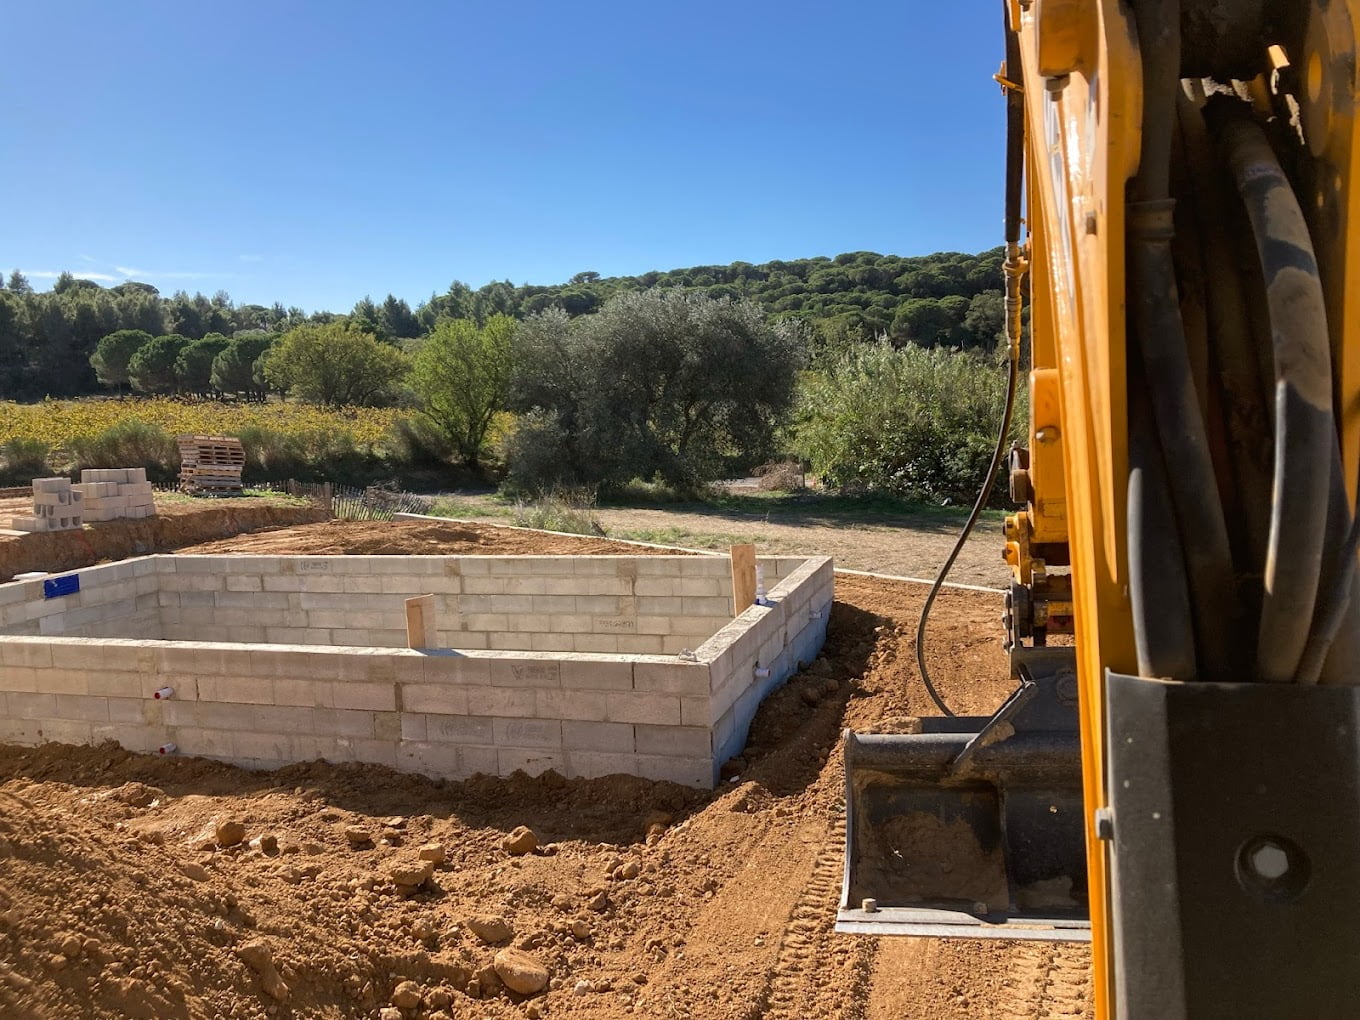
point(972, 827)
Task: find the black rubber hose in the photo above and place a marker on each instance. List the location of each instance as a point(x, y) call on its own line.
point(1159, 596)
point(1202, 530)
point(1014, 269)
point(1232, 348)
point(998, 458)
point(1305, 431)
point(1155, 314)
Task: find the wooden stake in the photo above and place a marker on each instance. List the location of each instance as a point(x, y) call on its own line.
point(743, 577)
point(420, 625)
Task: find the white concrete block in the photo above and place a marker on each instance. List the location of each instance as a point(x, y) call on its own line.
point(532, 761)
point(563, 704)
point(591, 673)
point(501, 701)
point(459, 729)
point(674, 741)
point(636, 707)
point(597, 736)
point(525, 733)
point(670, 677)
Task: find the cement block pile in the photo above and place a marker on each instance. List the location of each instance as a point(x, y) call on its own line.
point(111, 494)
point(57, 506)
point(105, 494)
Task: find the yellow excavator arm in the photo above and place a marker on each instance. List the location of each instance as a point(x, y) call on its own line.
point(1179, 781)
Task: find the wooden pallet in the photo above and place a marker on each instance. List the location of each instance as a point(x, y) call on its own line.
point(211, 465)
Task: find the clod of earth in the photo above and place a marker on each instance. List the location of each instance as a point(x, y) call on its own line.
point(406, 995)
point(521, 972)
point(257, 955)
point(432, 852)
point(229, 832)
point(490, 928)
point(410, 874)
point(358, 836)
point(266, 843)
point(522, 840)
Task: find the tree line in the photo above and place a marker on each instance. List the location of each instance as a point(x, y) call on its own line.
point(47, 339)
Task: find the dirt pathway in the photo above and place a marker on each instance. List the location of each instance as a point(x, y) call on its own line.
point(910, 549)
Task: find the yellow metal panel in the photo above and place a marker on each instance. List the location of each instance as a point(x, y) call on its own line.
point(1085, 147)
point(1327, 70)
point(1049, 517)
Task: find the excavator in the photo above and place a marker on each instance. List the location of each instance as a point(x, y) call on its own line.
point(1176, 775)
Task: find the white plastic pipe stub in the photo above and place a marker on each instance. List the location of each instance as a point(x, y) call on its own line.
point(762, 672)
point(167, 749)
point(163, 693)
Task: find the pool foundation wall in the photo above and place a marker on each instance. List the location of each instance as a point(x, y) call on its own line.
point(642, 691)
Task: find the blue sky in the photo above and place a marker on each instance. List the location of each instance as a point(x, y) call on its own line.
point(313, 153)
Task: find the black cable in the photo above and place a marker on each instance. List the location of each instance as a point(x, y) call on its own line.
point(998, 455)
point(1015, 269)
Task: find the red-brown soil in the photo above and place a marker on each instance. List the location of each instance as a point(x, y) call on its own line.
point(115, 900)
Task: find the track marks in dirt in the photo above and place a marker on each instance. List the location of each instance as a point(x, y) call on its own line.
point(818, 973)
point(1048, 981)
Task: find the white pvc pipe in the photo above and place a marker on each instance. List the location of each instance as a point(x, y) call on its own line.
point(163, 693)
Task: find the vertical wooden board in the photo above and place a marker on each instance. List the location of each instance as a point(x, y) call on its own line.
point(743, 577)
point(420, 625)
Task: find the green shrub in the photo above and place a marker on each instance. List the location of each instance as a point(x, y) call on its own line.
point(914, 423)
point(312, 455)
point(24, 460)
point(130, 443)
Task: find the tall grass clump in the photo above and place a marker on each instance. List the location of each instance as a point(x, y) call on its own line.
point(568, 510)
point(130, 443)
point(23, 460)
point(916, 423)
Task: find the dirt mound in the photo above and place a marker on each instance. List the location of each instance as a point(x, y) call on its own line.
point(176, 525)
point(417, 538)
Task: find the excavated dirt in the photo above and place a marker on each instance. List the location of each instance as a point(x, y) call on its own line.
point(177, 523)
point(124, 891)
point(416, 538)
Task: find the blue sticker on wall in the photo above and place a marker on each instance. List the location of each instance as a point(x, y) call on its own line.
point(55, 587)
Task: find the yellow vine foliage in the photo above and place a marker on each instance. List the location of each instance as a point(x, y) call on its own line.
point(57, 422)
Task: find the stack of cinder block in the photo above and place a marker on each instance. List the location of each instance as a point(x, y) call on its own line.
point(111, 494)
point(57, 506)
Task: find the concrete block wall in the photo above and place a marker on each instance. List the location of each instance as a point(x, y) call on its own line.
point(114, 600)
point(612, 604)
point(759, 650)
point(443, 713)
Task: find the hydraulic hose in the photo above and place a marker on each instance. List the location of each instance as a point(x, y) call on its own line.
point(1014, 271)
point(1159, 598)
point(1014, 268)
point(1305, 431)
point(1160, 333)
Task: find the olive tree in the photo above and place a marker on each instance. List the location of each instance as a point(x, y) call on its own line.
point(662, 384)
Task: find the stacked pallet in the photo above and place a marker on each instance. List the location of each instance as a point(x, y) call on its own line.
point(56, 507)
point(111, 494)
point(211, 465)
